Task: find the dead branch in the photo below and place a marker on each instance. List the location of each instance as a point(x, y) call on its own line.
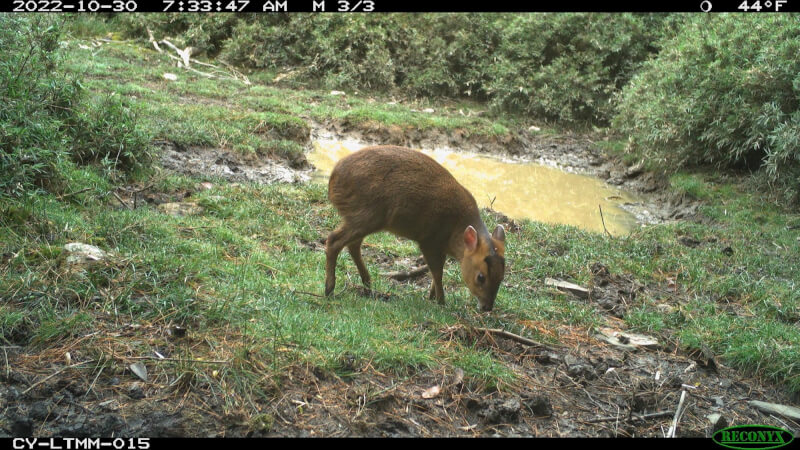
point(153, 41)
point(154, 358)
point(72, 366)
point(790, 412)
point(674, 427)
point(402, 276)
point(514, 337)
point(185, 58)
point(604, 221)
point(121, 201)
point(643, 417)
point(204, 74)
point(184, 54)
point(61, 197)
point(309, 293)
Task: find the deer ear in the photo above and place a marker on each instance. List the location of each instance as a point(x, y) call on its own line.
point(499, 233)
point(470, 239)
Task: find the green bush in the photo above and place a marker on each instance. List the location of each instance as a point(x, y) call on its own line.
point(568, 67)
point(724, 91)
point(46, 125)
point(34, 102)
point(565, 67)
point(106, 131)
point(334, 50)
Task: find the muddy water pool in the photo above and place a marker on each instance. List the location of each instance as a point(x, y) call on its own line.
point(518, 189)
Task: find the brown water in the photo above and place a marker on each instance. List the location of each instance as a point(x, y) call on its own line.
point(519, 190)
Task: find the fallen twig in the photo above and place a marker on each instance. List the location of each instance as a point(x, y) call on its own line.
point(72, 366)
point(654, 415)
point(790, 412)
point(513, 337)
point(135, 193)
point(61, 197)
point(674, 427)
point(121, 201)
point(185, 58)
point(204, 74)
point(154, 358)
point(184, 54)
point(402, 276)
point(604, 221)
point(153, 41)
point(309, 293)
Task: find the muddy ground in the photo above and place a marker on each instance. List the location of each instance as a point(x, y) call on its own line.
point(581, 387)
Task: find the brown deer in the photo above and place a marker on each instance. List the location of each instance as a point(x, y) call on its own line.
point(396, 189)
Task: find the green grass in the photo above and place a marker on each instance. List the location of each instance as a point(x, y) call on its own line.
point(229, 114)
point(238, 276)
point(243, 264)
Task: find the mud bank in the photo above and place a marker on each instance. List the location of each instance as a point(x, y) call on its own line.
point(231, 166)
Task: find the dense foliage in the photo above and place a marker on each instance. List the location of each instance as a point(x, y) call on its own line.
point(725, 91)
point(47, 124)
point(686, 89)
point(563, 67)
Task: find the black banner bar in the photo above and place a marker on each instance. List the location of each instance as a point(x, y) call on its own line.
point(386, 6)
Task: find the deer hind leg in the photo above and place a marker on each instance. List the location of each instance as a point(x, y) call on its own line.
point(337, 240)
point(355, 252)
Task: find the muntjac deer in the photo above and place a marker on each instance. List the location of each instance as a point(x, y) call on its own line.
point(396, 189)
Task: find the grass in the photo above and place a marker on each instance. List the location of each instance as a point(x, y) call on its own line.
point(238, 275)
point(229, 114)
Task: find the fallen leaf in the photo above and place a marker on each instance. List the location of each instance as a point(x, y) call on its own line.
point(431, 392)
point(139, 370)
point(459, 376)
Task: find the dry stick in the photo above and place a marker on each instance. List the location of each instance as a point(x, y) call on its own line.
point(514, 337)
point(604, 221)
point(153, 41)
point(121, 201)
point(654, 415)
point(309, 293)
point(8, 368)
point(144, 188)
point(91, 386)
point(185, 57)
point(201, 361)
point(135, 193)
point(205, 74)
point(401, 276)
point(184, 54)
point(236, 74)
point(54, 374)
point(61, 197)
point(673, 428)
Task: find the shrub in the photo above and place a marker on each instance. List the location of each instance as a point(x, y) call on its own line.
point(34, 102)
point(724, 91)
point(564, 67)
point(568, 67)
point(106, 131)
point(46, 125)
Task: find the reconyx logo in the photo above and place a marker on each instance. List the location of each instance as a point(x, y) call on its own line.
point(750, 437)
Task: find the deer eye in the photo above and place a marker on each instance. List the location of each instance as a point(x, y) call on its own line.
point(481, 278)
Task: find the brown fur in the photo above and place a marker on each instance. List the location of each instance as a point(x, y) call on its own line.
point(387, 188)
